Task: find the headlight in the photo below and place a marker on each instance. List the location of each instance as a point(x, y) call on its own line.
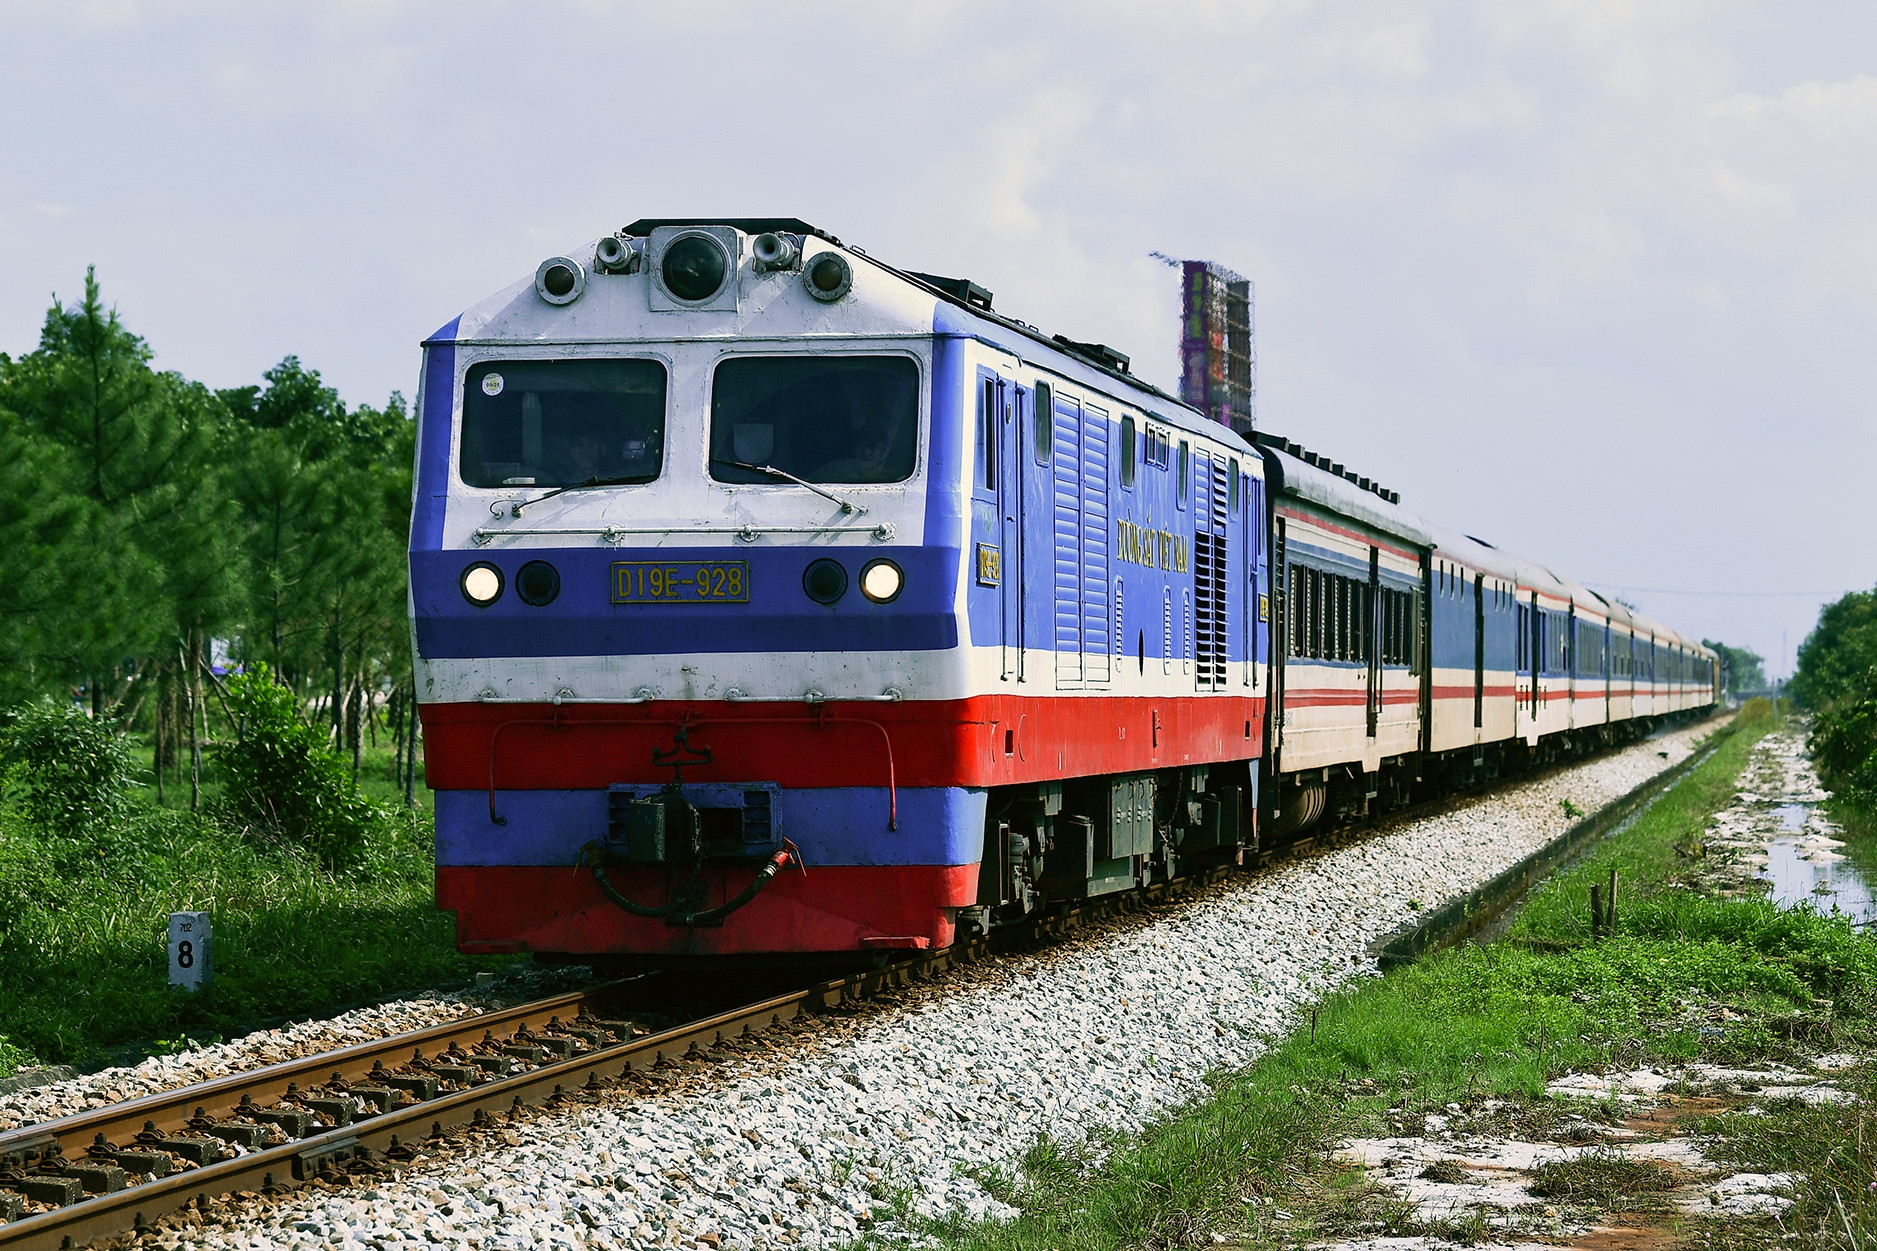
point(482, 584)
point(694, 267)
point(881, 581)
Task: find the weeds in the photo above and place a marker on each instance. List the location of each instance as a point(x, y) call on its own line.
point(83, 963)
point(1603, 1178)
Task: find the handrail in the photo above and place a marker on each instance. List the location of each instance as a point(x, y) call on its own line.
point(565, 695)
point(748, 533)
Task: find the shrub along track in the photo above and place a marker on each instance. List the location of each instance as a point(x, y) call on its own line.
point(372, 1108)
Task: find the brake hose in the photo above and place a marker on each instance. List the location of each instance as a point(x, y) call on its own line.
point(676, 911)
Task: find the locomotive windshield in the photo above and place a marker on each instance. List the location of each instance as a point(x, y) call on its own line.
point(562, 423)
point(819, 418)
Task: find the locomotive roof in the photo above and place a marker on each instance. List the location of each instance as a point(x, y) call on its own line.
point(511, 314)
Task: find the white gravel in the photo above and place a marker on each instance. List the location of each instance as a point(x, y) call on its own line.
point(1101, 1034)
point(273, 1046)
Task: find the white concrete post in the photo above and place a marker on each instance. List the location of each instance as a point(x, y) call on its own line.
point(191, 950)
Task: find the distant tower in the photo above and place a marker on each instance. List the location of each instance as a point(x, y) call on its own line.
point(1218, 345)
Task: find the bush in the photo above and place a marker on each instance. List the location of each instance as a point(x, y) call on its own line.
point(70, 773)
point(1844, 742)
point(283, 783)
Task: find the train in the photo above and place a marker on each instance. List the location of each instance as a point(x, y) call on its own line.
point(772, 603)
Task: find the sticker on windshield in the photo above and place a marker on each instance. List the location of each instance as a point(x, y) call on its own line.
point(492, 384)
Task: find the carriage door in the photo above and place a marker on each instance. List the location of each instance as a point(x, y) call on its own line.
point(1609, 670)
point(1370, 605)
point(1573, 661)
point(1479, 650)
point(1010, 398)
point(1538, 652)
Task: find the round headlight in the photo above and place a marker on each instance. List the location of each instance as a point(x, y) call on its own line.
point(824, 581)
point(828, 277)
point(694, 267)
point(881, 581)
point(537, 582)
point(560, 280)
point(482, 584)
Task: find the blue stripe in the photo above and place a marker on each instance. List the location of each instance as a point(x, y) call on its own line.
point(583, 620)
point(938, 825)
point(436, 412)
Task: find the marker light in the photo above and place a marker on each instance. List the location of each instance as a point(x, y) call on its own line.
point(537, 582)
point(881, 581)
point(560, 280)
point(828, 277)
point(824, 581)
point(482, 584)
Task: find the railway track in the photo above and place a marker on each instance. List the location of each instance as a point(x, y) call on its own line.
point(367, 1109)
point(120, 1168)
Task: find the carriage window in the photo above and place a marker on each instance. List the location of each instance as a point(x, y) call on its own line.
point(1186, 473)
point(820, 418)
point(1127, 450)
point(558, 423)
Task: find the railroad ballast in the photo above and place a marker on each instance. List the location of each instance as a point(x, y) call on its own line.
point(772, 601)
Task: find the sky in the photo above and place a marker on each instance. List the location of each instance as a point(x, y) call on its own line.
point(1595, 281)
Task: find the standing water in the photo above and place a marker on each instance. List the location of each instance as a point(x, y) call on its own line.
point(1777, 831)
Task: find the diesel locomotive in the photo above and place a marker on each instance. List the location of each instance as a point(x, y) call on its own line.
point(773, 602)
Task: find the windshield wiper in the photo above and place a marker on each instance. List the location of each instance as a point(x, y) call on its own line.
point(629, 480)
point(847, 506)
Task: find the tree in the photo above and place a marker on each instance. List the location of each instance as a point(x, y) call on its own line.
point(1741, 666)
point(134, 446)
point(1839, 654)
point(46, 547)
point(326, 500)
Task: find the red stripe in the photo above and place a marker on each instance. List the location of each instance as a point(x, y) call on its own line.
point(1365, 539)
point(924, 743)
point(831, 908)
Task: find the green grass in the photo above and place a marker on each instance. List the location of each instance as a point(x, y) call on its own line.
point(1249, 1163)
point(83, 955)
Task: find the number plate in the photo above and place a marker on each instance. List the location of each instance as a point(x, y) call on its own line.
point(680, 582)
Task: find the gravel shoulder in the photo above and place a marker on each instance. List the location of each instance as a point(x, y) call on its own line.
point(858, 1122)
point(274, 1046)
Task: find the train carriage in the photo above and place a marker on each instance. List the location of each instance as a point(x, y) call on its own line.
point(1352, 562)
point(1474, 604)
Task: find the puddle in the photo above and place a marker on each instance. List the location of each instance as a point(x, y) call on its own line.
point(1807, 870)
point(1776, 838)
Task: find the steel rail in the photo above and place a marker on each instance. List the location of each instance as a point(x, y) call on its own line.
point(276, 1169)
point(171, 1109)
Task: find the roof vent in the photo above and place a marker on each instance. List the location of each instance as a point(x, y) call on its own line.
point(958, 288)
point(1100, 353)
